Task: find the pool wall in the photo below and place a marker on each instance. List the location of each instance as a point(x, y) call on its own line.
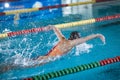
point(22, 4)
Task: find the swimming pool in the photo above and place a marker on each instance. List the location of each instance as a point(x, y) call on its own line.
point(32, 45)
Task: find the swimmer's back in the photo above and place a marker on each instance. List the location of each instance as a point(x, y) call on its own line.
point(61, 48)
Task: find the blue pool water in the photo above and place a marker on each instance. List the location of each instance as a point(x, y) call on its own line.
point(37, 44)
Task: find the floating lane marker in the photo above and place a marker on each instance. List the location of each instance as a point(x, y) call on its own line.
point(21, 11)
point(75, 69)
point(72, 24)
point(64, 25)
point(3, 35)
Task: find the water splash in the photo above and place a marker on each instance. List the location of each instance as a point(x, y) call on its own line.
point(37, 4)
point(6, 30)
point(83, 48)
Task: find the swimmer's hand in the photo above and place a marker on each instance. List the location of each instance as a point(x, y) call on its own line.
point(101, 37)
point(49, 27)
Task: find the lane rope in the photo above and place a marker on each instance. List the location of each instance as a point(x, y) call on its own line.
point(65, 25)
point(75, 69)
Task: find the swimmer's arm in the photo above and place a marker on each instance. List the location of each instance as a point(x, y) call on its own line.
point(58, 33)
point(8, 67)
point(82, 40)
point(40, 58)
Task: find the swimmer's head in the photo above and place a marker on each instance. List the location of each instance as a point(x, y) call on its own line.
point(74, 35)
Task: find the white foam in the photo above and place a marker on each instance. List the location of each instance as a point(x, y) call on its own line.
point(21, 61)
point(6, 30)
point(83, 48)
point(37, 4)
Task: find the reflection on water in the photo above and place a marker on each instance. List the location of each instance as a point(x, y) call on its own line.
point(111, 73)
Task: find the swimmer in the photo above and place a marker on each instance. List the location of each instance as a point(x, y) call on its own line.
point(63, 46)
point(16, 18)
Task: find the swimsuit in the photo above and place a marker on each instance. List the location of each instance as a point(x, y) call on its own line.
point(55, 51)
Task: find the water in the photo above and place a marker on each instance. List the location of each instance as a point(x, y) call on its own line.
point(16, 49)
